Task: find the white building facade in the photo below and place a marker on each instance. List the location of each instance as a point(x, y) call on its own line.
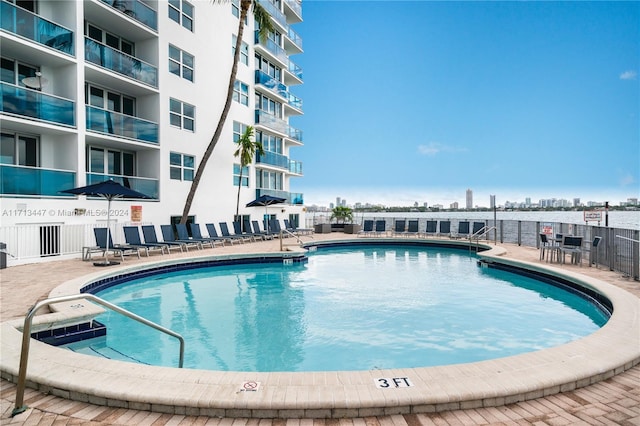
point(132, 91)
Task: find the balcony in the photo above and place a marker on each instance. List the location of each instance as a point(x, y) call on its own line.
point(295, 70)
point(294, 133)
point(295, 6)
point(121, 63)
point(294, 101)
point(295, 167)
point(272, 84)
point(275, 13)
point(271, 121)
point(137, 10)
point(29, 103)
point(116, 124)
point(296, 40)
point(34, 181)
point(146, 186)
point(293, 198)
point(273, 159)
point(278, 52)
point(30, 26)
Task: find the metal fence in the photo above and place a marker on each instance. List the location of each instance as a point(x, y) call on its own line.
point(618, 250)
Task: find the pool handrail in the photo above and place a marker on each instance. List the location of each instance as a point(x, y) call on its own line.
point(26, 337)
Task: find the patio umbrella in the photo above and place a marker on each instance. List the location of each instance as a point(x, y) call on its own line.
point(108, 189)
point(266, 201)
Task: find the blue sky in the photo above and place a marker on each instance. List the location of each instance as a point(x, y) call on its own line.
point(410, 101)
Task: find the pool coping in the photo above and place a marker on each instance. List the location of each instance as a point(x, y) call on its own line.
point(335, 394)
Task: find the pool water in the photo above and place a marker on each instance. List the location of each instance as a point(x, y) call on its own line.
point(345, 309)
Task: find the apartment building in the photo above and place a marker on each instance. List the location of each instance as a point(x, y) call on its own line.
point(132, 90)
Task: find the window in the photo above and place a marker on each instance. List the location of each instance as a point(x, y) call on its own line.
point(270, 143)
point(181, 63)
point(111, 161)
point(268, 105)
point(238, 130)
point(110, 40)
point(182, 115)
point(266, 179)
point(244, 50)
point(14, 72)
point(181, 11)
point(235, 8)
point(236, 175)
point(241, 92)
point(182, 166)
point(20, 150)
point(268, 68)
point(111, 101)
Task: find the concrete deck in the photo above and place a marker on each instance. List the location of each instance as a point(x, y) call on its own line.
point(611, 400)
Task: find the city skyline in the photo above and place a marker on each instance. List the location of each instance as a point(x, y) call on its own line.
point(517, 99)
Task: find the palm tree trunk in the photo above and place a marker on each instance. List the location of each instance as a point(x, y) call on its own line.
point(244, 9)
point(239, 186)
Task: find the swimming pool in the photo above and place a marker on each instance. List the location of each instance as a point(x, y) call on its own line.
point(355, 308)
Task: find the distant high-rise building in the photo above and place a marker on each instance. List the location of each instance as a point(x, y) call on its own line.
point(454, 205)
point(469, 199)
point(492, 201)
point(338, 201)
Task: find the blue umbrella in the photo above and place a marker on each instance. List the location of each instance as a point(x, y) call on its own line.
point(266, 200)
point(108, 189)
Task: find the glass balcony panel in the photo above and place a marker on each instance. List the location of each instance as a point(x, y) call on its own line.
point(295, 6)
point(273, 159)
point(113, 123)
point(294, 133)
point(136, 10)
point(147, 186)
point(34, 181)
point(26, 24)
point(274, 12)
point(295, 167)
point(292, 197)
point(34, 104)
point(295, 101)
point(295, 70)
point(119, 62)
point(296, 198)
point(295, 38)
point(272, 84)
point(272, 47)
point(271, 121)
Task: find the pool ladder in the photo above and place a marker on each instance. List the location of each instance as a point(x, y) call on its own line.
point(479, 234)
point(26, 337)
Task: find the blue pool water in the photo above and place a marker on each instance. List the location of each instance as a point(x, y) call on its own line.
point(344, 309)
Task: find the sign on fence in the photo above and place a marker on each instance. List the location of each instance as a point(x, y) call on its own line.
point(593, 216)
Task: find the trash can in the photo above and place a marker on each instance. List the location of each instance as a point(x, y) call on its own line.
point(3, 256)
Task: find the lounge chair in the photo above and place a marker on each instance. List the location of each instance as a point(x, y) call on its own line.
point(213, 233)
point(246, 223)
point(183, 235)
point(167, 235)
point(257, 230)
point(295, 230)
point(150, 237)
point(412, 229)
point(224, 229)
point(445, 228)
point(237, 230)
point(367, 228)
point(432, 228)
point(132, 237)
point(381, 228)
point(117, 249)
point(197, 235)
point(400, 227)
point(276, 229)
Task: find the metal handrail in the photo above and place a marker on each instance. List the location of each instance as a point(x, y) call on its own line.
point(628, 239)
point(285, 231)
point(26, 337)
point(479, 233)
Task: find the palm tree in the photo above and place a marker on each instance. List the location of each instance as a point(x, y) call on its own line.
point(247, 148)
point(265, 26)
point(341, 214)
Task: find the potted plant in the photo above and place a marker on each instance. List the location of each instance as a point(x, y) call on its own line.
point(344, 218)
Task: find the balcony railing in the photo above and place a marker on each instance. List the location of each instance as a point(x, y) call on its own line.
point(272, 47)
point(119, 62)
point(295, 6)
point(273, 159)
point(274, 12)
point(295, 133)
point(28, 25)
point(295, 69)
point(295, 38)
point(147, 186)
point(113, 123)
point(294, 198)
point(294, 101)
point(136, 10)
point(34, 104)
point(34, 181)
point(272, 84)
point(295, 167)
point(271, 121)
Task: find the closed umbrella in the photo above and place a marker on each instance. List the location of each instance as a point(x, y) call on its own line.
point(108, 189)
point(266, 201)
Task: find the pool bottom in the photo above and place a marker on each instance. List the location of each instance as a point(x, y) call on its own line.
point(344, 393)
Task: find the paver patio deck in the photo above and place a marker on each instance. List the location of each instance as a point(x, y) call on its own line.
point(612, 401)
